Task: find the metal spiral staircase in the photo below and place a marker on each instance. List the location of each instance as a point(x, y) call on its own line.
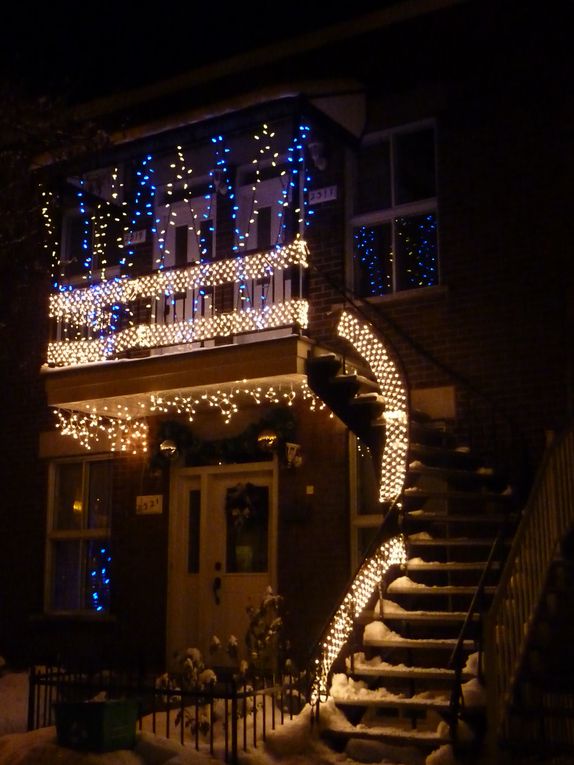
point(408, 680)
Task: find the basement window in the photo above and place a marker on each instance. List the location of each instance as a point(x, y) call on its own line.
point(78, 575)
point(394, 226)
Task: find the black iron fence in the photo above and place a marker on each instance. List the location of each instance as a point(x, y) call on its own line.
point(223, 718)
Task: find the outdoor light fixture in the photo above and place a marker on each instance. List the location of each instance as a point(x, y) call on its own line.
point(267, 440)
point(168, 448)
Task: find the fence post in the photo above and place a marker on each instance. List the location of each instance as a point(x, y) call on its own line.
point(234, 753)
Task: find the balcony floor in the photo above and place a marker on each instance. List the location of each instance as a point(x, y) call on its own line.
point(128, 383)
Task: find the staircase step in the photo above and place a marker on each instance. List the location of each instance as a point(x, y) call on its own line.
point(438, 566)
point(444, 456)
point(430, 517)
point(457, 476)
point(407, 673)
point(417, 492)
point(412, 588)
point(389, 734)
point(395, 702)
point(436, 617)
point(415, 541)
point(422, 644)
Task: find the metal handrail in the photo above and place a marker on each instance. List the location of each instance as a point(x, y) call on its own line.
point(548, 515)
point(455, 660)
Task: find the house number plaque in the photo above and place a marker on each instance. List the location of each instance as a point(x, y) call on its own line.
point(149, 504)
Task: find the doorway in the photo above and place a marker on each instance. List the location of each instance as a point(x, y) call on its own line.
point(222, 553)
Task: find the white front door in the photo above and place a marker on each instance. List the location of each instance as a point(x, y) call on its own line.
point(222, 535)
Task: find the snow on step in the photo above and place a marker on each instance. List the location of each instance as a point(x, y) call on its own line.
point(490, 496)
point(418, 564)
point(346, 690)
point(434, 517)
point(394, 611)
point(378, 635)
point(376, 667)
point(407, 586)
point(423, 538)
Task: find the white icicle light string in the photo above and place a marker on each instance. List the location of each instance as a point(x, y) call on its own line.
point(128, 433)
point(118, 434)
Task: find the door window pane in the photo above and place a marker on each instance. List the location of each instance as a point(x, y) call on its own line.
point(193, 532)
point(247, 521)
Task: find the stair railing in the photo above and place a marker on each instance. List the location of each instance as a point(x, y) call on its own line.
point(548, 515)
point(476, 606)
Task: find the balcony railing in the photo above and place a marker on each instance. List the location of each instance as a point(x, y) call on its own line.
point(179, 307)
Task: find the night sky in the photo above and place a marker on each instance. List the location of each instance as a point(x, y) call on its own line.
point(78, 51)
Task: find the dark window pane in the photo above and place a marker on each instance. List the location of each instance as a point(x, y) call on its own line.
point(373, 178)
point(193, 532)
point(414, 166)
point(367, 485)
point(78, 244)
point(416, 251)
point(66, 594)
point(99, 495)
point(365, 537)
point(247, 519)
point(264, 228)
point(181, 245)
point(97, 585)
point(206, 240)
point(69, 500)
point(372, 256)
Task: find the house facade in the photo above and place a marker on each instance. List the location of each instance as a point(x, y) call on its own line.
point(409, 168)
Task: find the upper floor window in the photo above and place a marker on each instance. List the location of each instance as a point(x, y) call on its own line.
point(78, 553)
point(186, 231)
point(94, 223)
point(394, 226)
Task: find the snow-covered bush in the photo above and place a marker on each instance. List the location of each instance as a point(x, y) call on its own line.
point(265, 636)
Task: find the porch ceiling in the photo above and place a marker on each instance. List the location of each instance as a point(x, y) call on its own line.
point(128, 383)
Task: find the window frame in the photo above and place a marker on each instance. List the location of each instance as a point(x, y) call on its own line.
point(389, 215)
point(83, 534)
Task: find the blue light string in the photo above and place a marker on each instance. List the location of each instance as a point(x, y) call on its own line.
point(100, 579)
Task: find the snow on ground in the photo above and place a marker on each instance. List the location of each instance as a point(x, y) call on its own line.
point(13, 702)
point(297, 742)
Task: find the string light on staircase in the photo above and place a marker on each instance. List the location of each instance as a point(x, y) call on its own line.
point(390, 553)
point(393, 390)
